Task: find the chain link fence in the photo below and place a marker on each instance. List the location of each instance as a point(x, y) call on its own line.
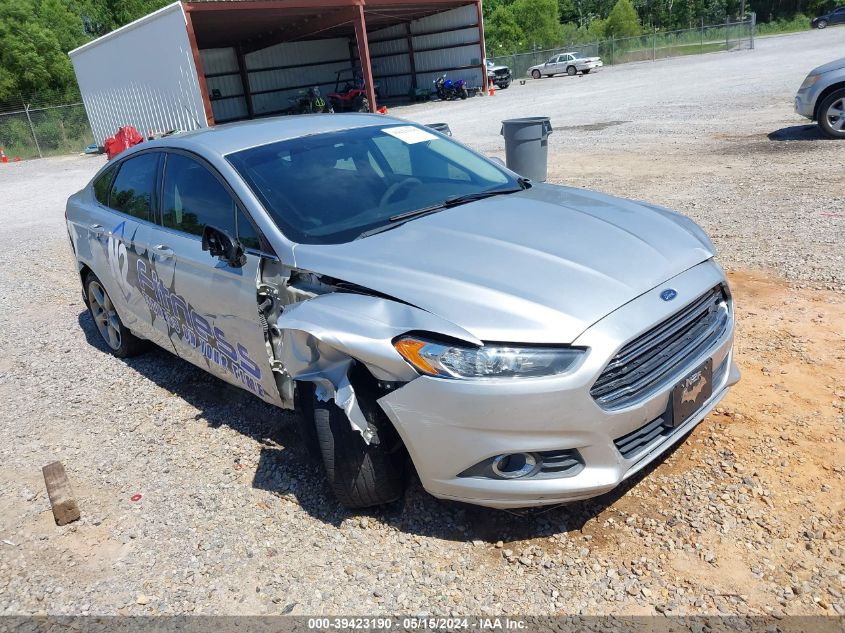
point(731, 35)
point(28, 131)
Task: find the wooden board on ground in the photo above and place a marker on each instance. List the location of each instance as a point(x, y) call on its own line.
point(65, 508)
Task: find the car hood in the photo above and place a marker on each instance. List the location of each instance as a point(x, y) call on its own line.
point(538, 266)
point(828, 67)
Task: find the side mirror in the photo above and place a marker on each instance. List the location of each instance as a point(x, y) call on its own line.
point(222, 245)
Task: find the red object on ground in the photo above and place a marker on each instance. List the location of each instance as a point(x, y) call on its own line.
point(382, 110)
point(126, 137)
point(136, 497)
point(3, 156)
point(16, 159)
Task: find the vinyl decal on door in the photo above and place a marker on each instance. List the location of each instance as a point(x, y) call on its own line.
point(195, 330)
point(182, 320)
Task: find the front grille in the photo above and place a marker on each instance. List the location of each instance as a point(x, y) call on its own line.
point(660, 356)
point(635, 442)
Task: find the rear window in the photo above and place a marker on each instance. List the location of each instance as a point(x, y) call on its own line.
point(134, 186)
point(102, 185)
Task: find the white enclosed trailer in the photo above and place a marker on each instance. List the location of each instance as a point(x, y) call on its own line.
point(143, 74)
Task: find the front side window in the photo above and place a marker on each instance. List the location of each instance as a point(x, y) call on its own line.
point(330, 188)
point(134, 186)
point(194, 198)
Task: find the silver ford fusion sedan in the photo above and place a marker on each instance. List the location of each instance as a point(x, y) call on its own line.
point(519, 344)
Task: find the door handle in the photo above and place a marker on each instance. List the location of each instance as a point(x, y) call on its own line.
point(163, 250)
point(96, 227)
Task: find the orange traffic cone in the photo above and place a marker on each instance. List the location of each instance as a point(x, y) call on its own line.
point(382, 110)
point(3, 158)
point(492, 91)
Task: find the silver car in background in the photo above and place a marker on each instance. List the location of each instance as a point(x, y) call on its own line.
point(519, 344)
point(569, 63)
point(821, 98)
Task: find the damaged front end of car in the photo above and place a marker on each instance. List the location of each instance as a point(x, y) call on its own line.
point(317, 329)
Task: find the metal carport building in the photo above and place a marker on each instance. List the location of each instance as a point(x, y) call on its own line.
point(194, 64)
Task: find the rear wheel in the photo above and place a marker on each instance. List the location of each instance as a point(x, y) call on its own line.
point(120, 341)
point(586, 71)
point(360, 474)
point(535, 74)
point(832, 115)
point(571, 71)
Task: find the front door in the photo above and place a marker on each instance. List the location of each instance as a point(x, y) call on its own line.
point(212, 305)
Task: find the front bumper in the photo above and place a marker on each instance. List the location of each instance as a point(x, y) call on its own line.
point(449, 426)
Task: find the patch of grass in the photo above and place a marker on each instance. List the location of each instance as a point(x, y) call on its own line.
point(799, 22)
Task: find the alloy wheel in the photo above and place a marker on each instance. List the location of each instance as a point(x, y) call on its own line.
point(836, 115)
point(105, 316)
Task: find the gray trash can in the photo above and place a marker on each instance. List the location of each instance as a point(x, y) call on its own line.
point(527, 146)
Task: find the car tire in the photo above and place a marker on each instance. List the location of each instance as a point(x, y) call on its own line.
point(363, 105)
point(504, 85)
point(360, 474)
point(571, 71)
point(832, 113)
point(586, 71)
point(821, 24)
point(535, 74)
point(117, 337)
point(464, 93)
point(305, 418)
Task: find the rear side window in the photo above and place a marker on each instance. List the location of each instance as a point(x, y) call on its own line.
point(134, 186)
point(194, 198)
point(102, 185)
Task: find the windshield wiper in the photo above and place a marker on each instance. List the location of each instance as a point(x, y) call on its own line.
point(453, 201)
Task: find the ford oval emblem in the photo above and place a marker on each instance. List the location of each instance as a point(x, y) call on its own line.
point(668, 294)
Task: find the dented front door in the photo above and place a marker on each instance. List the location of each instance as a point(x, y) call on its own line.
point(212, 306)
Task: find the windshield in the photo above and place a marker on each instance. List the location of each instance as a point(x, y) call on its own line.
point(330, 188)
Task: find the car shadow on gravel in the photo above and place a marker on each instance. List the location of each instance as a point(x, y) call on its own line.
point(285, 468)
point(798, 133)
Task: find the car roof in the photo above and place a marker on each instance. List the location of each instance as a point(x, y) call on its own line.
point(232, 137)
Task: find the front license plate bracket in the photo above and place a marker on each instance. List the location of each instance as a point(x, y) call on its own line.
point(690, 394)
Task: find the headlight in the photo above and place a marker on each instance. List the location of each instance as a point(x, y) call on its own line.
point(489, 361)
point(809, 81)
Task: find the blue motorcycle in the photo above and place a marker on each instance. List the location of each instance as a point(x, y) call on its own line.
point(447, 89)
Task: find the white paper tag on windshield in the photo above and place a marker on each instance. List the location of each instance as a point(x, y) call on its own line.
point(409, 134)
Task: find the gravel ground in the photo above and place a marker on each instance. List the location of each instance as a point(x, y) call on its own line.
point(745, 517)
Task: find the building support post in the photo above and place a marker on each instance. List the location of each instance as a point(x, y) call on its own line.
point(484, 87)
point(413, 64)
point(245, 81)
point(195, 51)
point(364, 55)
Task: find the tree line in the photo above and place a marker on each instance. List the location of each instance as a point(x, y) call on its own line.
point(512, 26)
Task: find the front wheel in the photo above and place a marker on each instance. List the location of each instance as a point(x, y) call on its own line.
point(821, 24)
point(361, 475)
point(535, 74)
point(363, 105)
point(121, 342)
point(832, 115)
point(571, 71)
point(464, 93)
point(504, 85)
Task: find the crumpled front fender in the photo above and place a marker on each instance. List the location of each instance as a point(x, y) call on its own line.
point(322, 336)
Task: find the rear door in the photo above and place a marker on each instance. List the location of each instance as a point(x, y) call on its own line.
point(212, 306)
point(121, 228)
